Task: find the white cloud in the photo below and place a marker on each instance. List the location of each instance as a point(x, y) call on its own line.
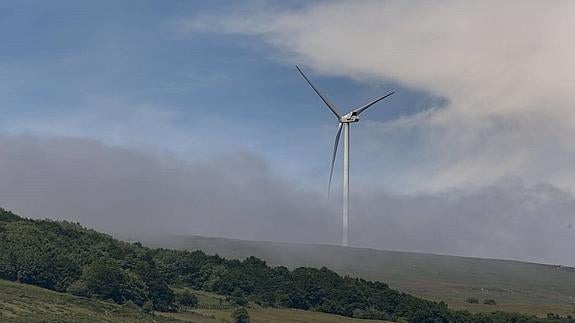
point(506, 69)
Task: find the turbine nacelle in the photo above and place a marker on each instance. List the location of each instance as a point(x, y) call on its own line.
point(349, 118)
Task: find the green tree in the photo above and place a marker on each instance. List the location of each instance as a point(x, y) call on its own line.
point(489, 302)
point(240, 315)
point(472, 300)
point(186, 299)
point(104, 279)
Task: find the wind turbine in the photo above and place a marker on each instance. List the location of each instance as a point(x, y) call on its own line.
point(344, 121)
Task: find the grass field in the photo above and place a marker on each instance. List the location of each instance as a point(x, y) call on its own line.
point(257, 314)
point(265, 315)
point(516, 286)
point(538, 310)
point(29, 304)
point(21, 303)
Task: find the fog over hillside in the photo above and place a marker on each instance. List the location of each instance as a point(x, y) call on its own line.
point(239, 196)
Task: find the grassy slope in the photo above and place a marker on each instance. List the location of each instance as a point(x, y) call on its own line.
point(30, 304)
point(257, 314)
point(266, 315)
point(514, 285)
point(21, 303)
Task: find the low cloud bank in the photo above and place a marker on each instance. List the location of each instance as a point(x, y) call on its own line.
point(237, 196)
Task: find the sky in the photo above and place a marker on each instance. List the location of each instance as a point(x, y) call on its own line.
point(189, 117)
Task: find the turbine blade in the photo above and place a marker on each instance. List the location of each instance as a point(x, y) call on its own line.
point(335, 144)
point(364, 107)
point(323, 98)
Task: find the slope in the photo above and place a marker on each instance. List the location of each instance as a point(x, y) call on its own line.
point(26, 303)
point(448, 278)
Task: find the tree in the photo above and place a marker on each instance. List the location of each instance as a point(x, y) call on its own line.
point(148, 307)
point(240, 315)
point(472, 300)
point(186, 299)
point(104, 279)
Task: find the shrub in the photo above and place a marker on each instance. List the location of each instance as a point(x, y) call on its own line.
point(7, 216)
point(105, 280)
point(489, 302)
point(371, 313)
point(131, 305)
point(186, 299)
point(241, 315)
point(79, 288)
point(472, 300)
point(148, 307)
point(238, 301)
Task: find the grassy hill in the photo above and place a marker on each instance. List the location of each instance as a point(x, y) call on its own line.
point(67, 258)
point(30, 304)
point(266, 315)
point(516, 286)
point(20, 303)
point(257, 313)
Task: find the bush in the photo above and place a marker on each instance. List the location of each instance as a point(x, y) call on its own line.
point(105, 280)
point(472, 300)
point(241, 315)
point(372, 314)
point(148, 307)
point(7, 216)
point(186, 299)
point(238, 301)
point(131, 305)
point(78, 288)
point(489, 302)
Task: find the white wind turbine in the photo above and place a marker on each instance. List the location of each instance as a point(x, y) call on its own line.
point(344, 122)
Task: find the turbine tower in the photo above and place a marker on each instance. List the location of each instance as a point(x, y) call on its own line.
point(344, 122)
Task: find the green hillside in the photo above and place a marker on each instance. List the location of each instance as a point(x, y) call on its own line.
point(21, 303)
point(266, 315)
point(527, 287)
point(65, 257)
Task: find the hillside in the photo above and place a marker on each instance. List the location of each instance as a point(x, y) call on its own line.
point(65, 257)
point(515, 285)
point(266, 315)
point(20, 303)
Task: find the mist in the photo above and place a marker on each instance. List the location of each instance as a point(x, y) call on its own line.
point(236, 195)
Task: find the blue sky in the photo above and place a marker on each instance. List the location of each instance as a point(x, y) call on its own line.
point(193, 110)
point(92, 69)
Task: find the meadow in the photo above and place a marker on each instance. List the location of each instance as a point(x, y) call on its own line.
point(20, 303)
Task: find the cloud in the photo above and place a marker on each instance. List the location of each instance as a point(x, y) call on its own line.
point(121, 190)
point(504, 68)
point(507, 220)
point(238, 196)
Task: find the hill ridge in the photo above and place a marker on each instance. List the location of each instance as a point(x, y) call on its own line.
point(200, 237)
